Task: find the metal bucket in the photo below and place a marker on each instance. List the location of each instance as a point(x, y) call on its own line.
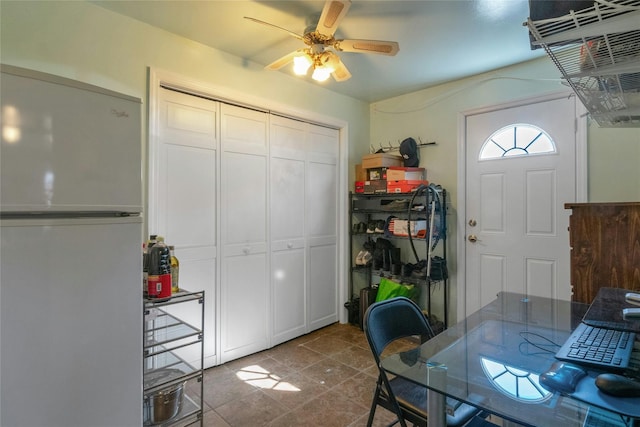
point(163, 404)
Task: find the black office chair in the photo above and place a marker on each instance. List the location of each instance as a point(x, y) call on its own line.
point(385, 322)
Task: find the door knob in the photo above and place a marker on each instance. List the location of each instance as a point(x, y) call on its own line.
point(473, 238)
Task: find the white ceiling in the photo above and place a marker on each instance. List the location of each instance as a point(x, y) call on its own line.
point(440, 40)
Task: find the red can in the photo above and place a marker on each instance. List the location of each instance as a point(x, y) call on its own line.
point(159, 286)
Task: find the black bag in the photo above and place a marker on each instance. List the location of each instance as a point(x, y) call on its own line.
point(438, 268)
point(367, 297)
point(353, 310)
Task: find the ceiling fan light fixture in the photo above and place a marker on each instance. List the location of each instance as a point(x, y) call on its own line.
point(301, 64)
point(321, 45)
point(320, 74)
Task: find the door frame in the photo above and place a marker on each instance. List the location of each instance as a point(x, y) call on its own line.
point(581, 127)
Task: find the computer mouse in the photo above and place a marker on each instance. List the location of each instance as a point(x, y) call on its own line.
point(618, 385)
point(562, 377)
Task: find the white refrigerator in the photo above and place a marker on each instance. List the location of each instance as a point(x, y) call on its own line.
point(70, 254)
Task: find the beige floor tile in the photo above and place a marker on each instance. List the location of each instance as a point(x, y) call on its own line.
point(330, 372)
point(323, 379)
point(330, 409)
point(295, 390)
point(297, 357)
point(327, 344)
point(254, 409)
point(356, 357)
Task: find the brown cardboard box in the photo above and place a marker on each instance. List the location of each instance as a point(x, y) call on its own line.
point(404, 186)
point(381, 160)
point(409, 174)
point(376, 173)
point(361, 173)
point(377, 186)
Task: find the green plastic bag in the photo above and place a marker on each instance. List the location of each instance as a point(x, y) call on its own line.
point(390, 289)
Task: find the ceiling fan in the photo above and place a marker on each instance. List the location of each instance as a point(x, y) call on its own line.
point(321, 52)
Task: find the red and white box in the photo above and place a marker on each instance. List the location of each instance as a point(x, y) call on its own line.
point(398, 173)
point(359, 186)
point(404, 186)
point(400, 227)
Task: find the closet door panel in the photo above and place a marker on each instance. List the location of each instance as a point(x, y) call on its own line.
point(244, 199)
point(184, 162)
point(322, 241)
point(243, 130)
point(244, 292)
point(322, 226)
point(244, 305)
point(287, 222)
point(322, 200)
point(287, 276)
point(322, 285)
point(190, 221)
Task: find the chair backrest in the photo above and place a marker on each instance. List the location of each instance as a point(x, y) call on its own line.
point(392, 319)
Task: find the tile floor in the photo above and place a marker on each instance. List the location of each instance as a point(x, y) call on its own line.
point(326, 378)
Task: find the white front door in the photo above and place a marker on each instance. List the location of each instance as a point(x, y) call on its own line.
point(518, 179)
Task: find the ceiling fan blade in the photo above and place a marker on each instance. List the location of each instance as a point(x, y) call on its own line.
point(341, 73)
point(298, 36)
point(367, 46)
point(281, 62)
point(332, 14)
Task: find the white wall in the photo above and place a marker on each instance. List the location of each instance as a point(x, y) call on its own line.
point(79, 40)
point(432, 114)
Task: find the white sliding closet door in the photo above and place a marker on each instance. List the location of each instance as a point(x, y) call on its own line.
point(287, 217)
point(182, 206)
point(244, 291)
point(250, 201)
point(321, 196)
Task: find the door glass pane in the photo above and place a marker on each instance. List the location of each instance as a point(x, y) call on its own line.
point(517, 140)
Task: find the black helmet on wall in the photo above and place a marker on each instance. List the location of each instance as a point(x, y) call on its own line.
point(409, 152)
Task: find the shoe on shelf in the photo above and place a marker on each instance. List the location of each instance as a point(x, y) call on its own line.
point(359, 258)
point(379, 226)
point(396, 205)
point(366, 258)
point(371, 228)
point(362, 227)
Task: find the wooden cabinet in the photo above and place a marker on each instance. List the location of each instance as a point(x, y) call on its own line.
point(605, 247)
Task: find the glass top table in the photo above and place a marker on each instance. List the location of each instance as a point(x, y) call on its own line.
point(493, 360)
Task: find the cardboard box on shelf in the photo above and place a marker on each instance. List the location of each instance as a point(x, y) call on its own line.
point(404, 186)
point(398, 173)
point(380, 160)
point(400, 227)
point(361, 173)
point(376, 186)
point(376, 173)
point(359, 186)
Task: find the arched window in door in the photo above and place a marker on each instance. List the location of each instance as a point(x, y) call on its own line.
point(519, 139)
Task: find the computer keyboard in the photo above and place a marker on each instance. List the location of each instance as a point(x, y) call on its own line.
point(599, 347)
